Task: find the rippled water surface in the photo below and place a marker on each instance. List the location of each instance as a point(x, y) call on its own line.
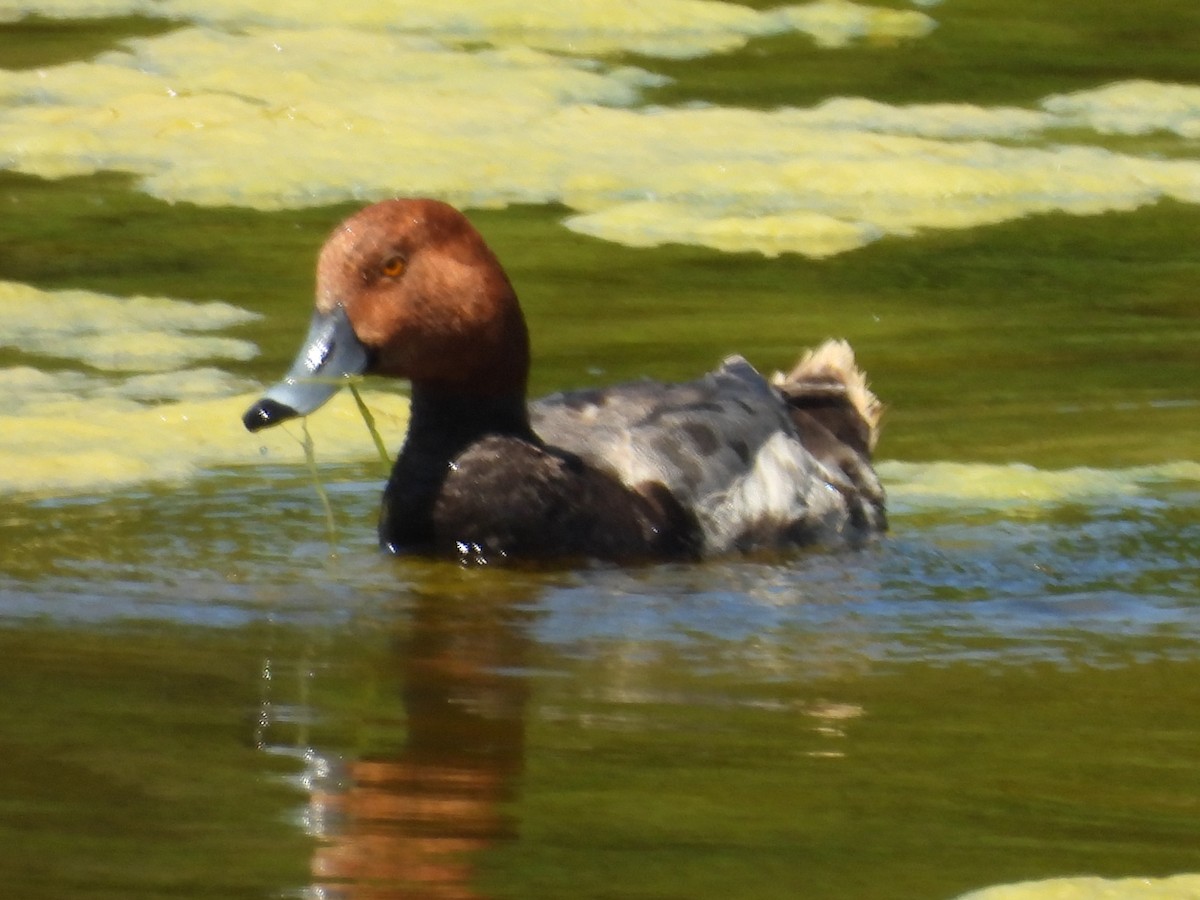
point(213, 689)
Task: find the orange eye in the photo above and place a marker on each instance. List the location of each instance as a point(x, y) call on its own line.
point(392, 266)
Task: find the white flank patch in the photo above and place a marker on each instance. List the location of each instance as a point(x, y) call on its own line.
point(784, 485)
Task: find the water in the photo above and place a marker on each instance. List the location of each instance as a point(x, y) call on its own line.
point(208, 692)
point(981, 698)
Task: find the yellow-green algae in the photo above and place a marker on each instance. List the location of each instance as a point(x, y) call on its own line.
point(118, 333)
point(70, 430)
point(1016, 487)
point(670, 28)
point(252, 109)
point(91, 444)
point(1177, 887)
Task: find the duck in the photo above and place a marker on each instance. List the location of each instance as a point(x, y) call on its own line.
point(732, 462)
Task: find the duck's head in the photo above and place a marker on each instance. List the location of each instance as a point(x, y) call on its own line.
point(405, 288)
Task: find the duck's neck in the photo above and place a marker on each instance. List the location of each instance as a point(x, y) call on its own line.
point(443, 422)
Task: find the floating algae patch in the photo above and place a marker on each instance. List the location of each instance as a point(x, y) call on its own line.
point(1176, 887)
point(836, 23)
point(271, 115)
point(118, 333)
point(651, 223)
point(492, 104)
point(819, 182)
point(944, 121)
point(64, 440)
point(1131, 107)
point(28, 390)
point(68, 9)
point(678, 29)
point(144, 413)
point(274, 118)
point(1018, 488)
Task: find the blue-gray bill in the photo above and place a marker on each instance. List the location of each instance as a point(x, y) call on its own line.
point(331, 353)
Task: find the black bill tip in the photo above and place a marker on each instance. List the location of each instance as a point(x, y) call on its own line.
point(267, 412)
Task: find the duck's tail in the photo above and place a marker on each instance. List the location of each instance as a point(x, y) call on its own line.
point(837, 418)
point(828, 384)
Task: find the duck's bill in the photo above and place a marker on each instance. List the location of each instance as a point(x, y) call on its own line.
point(331, 354)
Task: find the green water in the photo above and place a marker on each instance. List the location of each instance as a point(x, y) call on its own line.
point(201, 699)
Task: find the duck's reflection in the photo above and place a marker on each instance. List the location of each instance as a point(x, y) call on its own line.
point(411, 822)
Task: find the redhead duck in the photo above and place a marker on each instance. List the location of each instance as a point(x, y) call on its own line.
point(728, 462)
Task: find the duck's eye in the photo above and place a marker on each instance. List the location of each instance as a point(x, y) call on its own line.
point(392, 266)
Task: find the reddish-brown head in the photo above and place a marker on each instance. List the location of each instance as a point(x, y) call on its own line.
point(427, 296)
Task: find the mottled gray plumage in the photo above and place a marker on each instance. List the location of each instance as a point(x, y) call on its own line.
point(727, 448)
